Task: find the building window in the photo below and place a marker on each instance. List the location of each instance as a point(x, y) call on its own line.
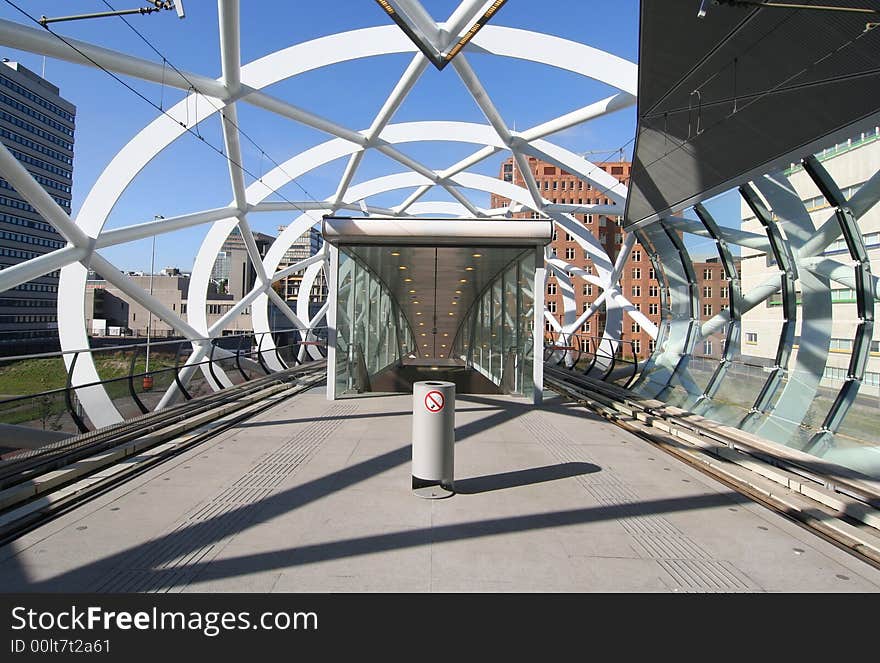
point(752, 338)
point(637, 346)
point(636, 291)
point(637, 272)
point(652, 344)
point(707, 274)
point(555, 184)
point(652, 274)
point(584, 306)
point(653, 291)
point(707, 291)
point(586, 326)
point(588, 289)
point(585, 345)
point(707, 346)
point(636, 328)
point(636, 255)
point(725, 293)
point(568, 238)
point(551, 306)
point(654, 309)
point(707, 309)
point(551, 288)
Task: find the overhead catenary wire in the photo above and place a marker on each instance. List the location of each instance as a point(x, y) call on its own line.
point(185, 125)
point(241, 131)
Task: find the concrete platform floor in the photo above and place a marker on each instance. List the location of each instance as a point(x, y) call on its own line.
point(313, 496)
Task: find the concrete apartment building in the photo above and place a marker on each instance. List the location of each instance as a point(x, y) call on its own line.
point(233, 271)
point(37, 127)
point(305, 246)
point(850, 163)
point(111, 313)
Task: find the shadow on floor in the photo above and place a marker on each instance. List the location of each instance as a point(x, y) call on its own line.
point(153, 560)
point(519, 478)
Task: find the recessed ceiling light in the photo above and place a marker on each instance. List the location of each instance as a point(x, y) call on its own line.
point(411, 292)
point(442, 345)
point(407, 280)
point(421, 324)
point(423, 334)
point(454, 303)
point(401, 267)
point(451, 313)
point(415, 302)
point(458, 292)
point(445, 334)
point(395, 253)
point(418, 312)
point(468, 269)
point(424, 345)
point(441, 356)
point(462, 280)
point(477, 255)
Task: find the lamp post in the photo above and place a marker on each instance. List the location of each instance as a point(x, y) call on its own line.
point(148, 379)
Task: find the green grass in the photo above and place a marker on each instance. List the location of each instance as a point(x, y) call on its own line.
point(33, 376)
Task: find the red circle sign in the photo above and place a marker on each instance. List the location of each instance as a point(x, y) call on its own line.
point(434, 401)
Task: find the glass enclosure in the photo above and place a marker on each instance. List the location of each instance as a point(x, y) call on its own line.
point(372, 333)
point(495, 337)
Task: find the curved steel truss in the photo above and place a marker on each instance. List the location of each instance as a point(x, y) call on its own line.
point(246, 83)
point(780, 408)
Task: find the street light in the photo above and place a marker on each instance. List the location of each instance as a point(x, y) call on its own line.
point(148, 379)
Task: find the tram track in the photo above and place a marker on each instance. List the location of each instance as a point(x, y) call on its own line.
point(47, 482)
point(834, 505)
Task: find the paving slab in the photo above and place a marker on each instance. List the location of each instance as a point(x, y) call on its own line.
point(314, 496)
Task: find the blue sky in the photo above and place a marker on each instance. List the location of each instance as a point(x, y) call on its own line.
point(189, 176)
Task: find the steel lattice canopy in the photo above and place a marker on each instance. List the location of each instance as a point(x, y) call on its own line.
point(743, 91)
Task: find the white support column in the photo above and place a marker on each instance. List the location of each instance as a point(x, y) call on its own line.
point(538, 328)
point(10, 277)
point(332, 293)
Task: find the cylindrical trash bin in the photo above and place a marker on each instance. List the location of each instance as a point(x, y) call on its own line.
point(433, 439)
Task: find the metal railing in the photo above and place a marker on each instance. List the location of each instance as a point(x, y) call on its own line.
point(243, 355)
point(571, 350)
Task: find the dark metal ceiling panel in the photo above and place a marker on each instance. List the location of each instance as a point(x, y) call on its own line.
point(742, 91)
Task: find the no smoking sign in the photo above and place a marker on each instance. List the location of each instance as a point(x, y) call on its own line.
point(434, 401)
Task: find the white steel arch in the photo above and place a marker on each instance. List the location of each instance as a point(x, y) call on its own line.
point(246, 83)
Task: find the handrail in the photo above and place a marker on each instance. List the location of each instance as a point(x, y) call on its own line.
point(596, 347)
point(69, 390)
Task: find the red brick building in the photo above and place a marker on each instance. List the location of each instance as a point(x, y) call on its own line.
point(638, 281)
